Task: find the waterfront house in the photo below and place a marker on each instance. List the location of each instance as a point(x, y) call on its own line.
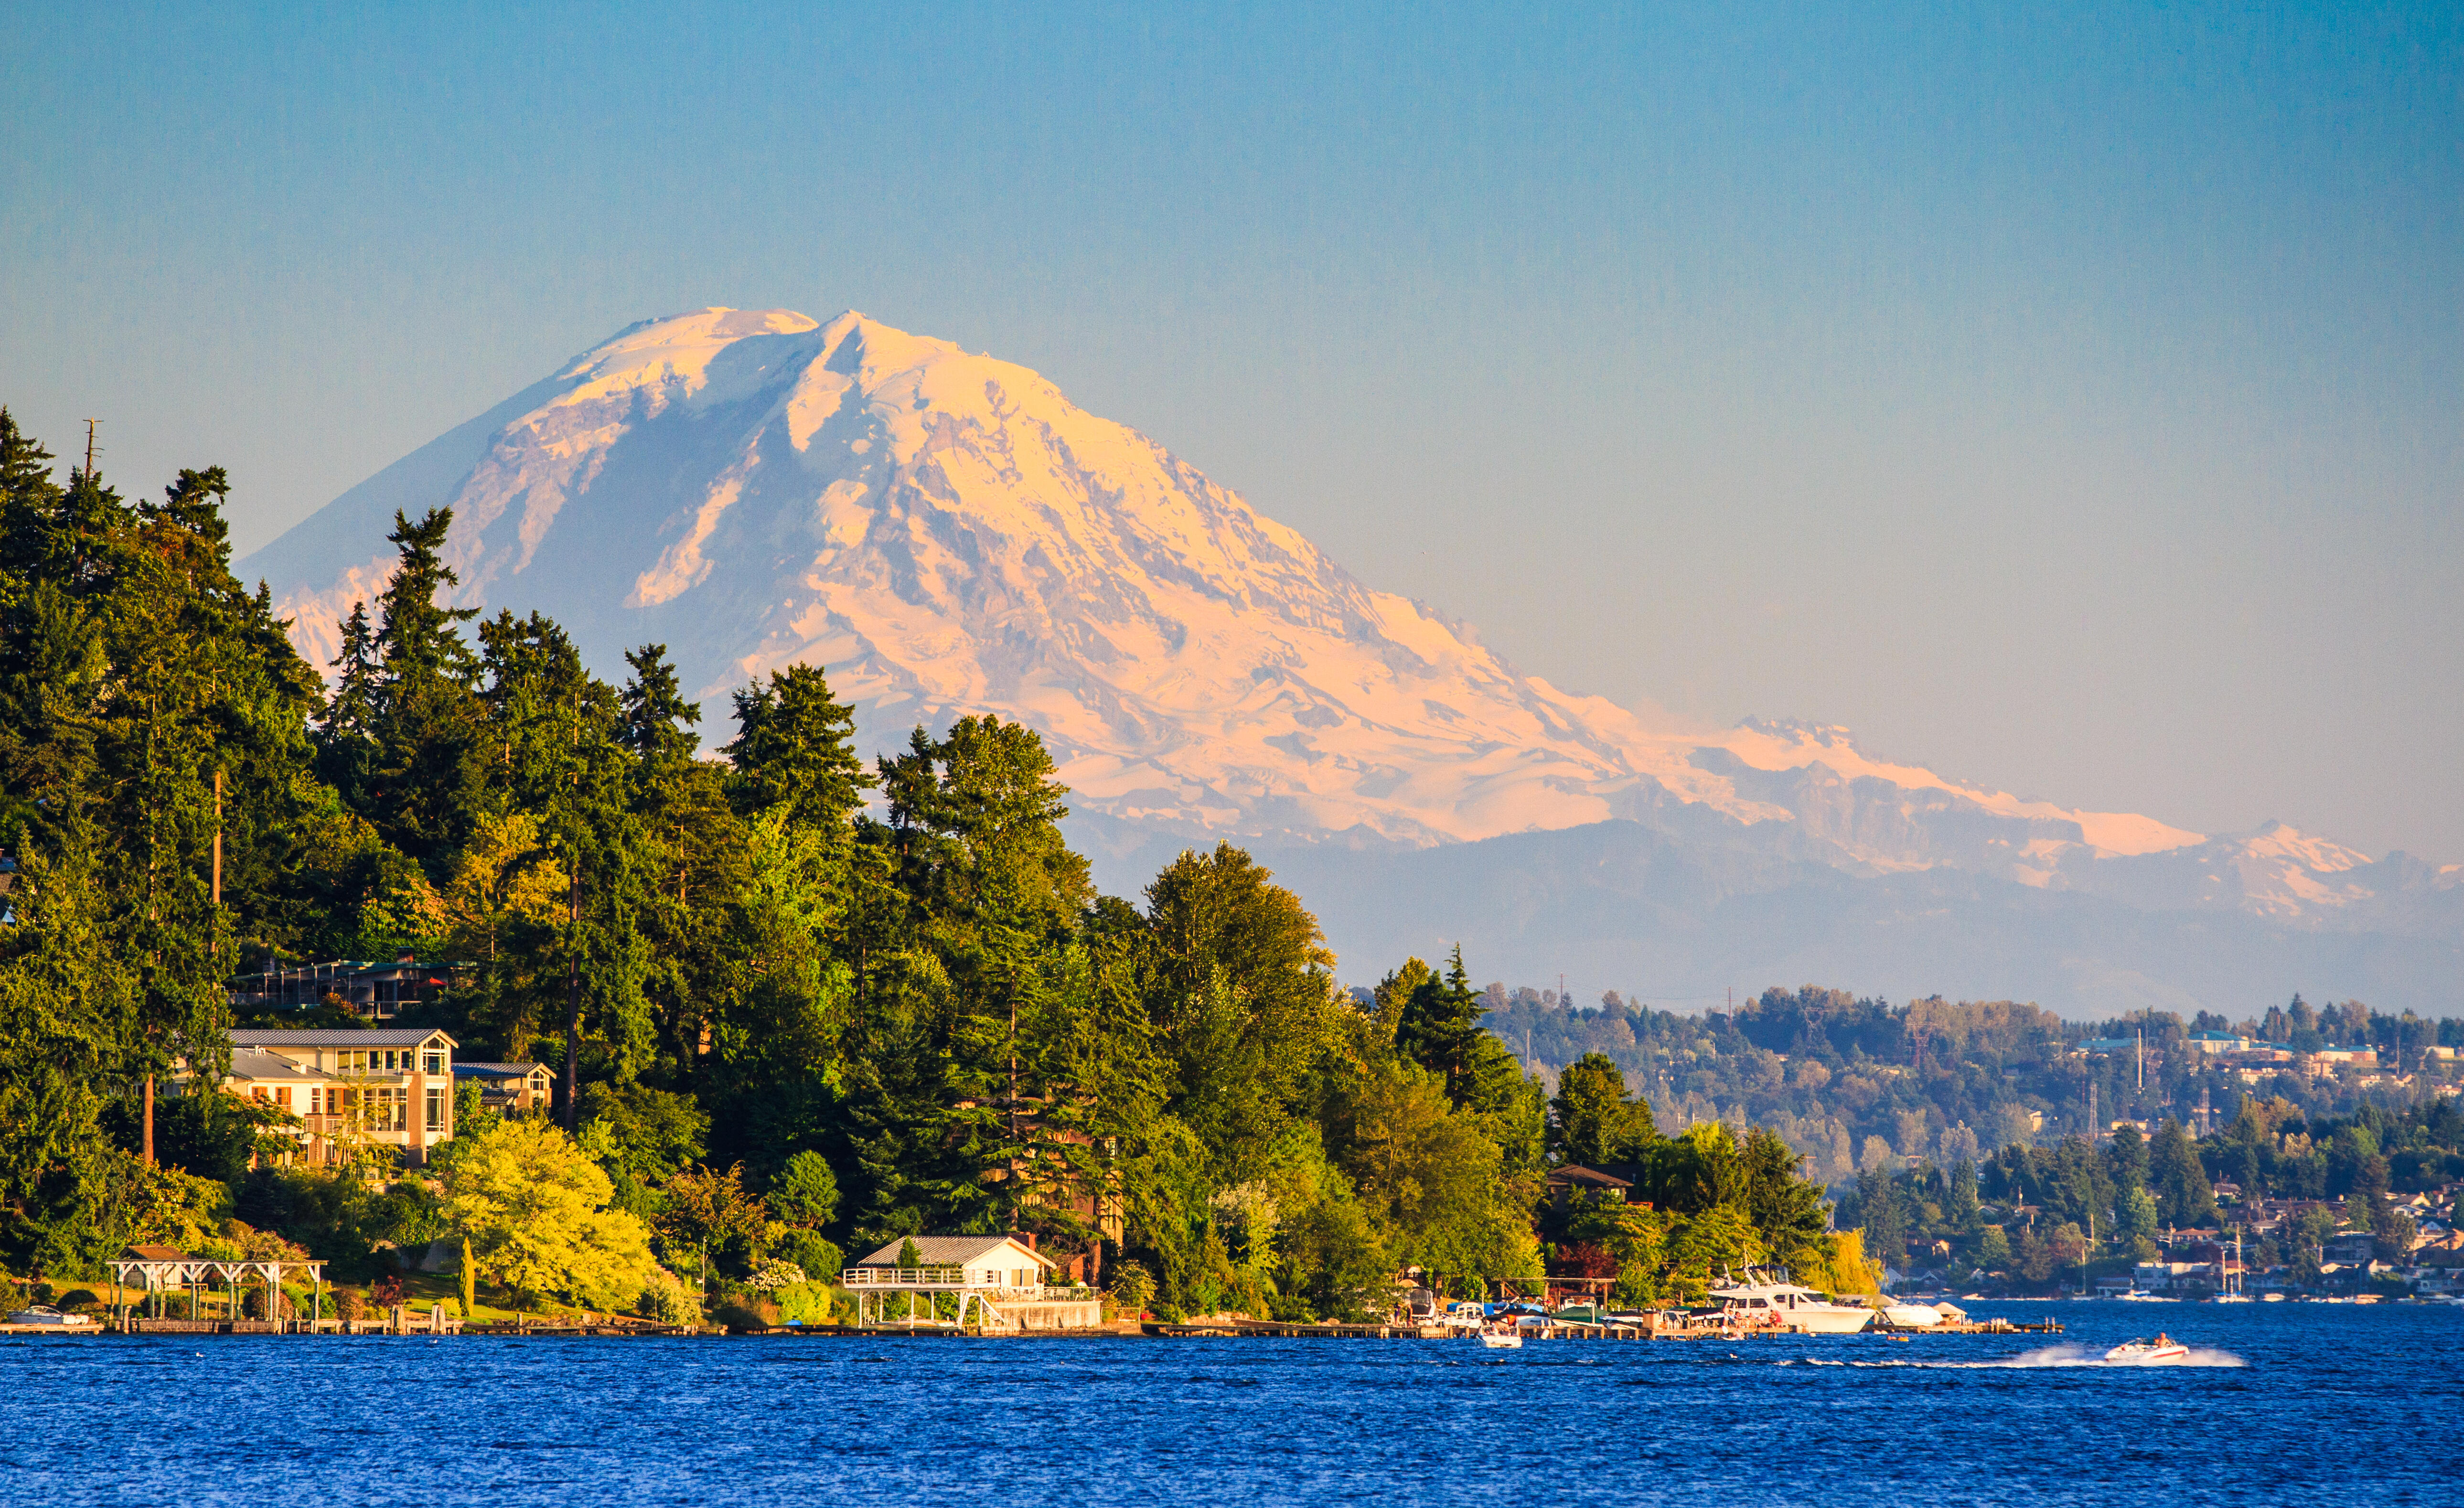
point(983, 1262)
point(988, 1283)
point(387, 1087)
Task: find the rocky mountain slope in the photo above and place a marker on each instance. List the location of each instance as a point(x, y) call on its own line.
point(946, 533)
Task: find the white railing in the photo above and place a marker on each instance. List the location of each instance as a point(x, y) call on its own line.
point(948, 1277)
point(905, 1277)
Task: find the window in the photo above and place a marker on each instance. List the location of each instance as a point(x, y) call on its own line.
point(388, 1109)
point(439, 1105)
point(432, 1061)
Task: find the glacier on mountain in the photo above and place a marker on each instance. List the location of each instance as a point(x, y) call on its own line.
point(947, 534)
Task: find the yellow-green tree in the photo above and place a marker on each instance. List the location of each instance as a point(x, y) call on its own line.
point(534, 1210)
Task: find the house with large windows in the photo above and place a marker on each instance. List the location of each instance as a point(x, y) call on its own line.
point(389, 1087)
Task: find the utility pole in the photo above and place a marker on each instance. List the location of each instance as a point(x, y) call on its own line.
point(573, 1002)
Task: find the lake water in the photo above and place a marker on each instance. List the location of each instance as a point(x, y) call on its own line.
point(2298, 1403)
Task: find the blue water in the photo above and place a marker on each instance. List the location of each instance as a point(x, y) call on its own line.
point(2298, 1404)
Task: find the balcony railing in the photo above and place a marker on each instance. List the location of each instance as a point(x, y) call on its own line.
point(905, 1277)
point(953, 1277)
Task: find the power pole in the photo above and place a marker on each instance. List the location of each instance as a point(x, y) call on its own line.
point(573, 1002)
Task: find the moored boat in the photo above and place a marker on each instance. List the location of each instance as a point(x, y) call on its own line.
point(1758, 1302)
point(44, 1314)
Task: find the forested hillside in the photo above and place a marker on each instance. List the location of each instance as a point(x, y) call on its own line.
point(795, 1005)
point(1858, 1082)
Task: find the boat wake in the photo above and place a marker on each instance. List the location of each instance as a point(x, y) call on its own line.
point(2075, 1356)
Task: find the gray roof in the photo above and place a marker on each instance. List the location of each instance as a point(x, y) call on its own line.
point(344, 1037)
point(463, 1070)
point(256, 1063)
point(944, 1251)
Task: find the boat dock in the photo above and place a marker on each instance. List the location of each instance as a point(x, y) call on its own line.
point(1662, 1328)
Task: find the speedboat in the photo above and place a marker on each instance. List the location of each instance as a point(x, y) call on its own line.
point(1760, 1303)
point(45, 1315)
point(2142, 1353)
point(1501, 1339)
point(1911, 1316)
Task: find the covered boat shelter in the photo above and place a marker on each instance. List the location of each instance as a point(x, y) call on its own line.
point(160, 1271)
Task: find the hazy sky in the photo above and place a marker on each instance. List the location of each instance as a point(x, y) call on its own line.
point(2070, 397)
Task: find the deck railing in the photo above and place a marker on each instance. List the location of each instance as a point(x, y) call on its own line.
point(945, 1278)
point(905, 1277)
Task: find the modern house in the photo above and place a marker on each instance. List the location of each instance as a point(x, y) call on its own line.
point(386, 1087)
point(375, 991)
point(510, 1089)
point(983, 1282)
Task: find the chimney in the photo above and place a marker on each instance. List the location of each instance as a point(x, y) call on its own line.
point(1028, 1237)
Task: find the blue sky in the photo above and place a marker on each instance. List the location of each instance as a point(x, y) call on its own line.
point(2067, 397)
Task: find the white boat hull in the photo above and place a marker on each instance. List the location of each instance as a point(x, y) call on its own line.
point(1502, 1342)
point(1831, 1320)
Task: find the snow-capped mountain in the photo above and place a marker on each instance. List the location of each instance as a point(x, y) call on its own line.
point(946, 533)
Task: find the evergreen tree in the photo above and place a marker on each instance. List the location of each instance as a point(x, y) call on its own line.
point(1591, 1122)
point(796, 744)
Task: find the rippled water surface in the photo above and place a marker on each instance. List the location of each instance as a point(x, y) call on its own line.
point(2298, 1404)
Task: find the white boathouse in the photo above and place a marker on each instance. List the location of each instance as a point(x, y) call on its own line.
point(986, 1284)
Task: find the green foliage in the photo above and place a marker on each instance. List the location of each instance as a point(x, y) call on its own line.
point(534, 1210)
point(1591, 1122)
point(919, 1017)
point(805, 1193)
point(819, 1256)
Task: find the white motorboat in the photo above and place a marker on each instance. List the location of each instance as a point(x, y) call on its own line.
point(1758, 1302)
point(44, 1314)
point(2146, 1353)
point(2142, 1296)
point(1501, 1339)
point(1911, 1316)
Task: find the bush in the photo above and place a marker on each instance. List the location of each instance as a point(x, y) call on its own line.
point(775, 1274)
point(1133, 1289)
point(821, 1260)
point(350, 1304)
point(668, 1300)
point(747, 1314)
point(79, 1299)
point(814, 1303)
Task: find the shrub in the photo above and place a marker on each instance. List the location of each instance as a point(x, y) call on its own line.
point(76, 1298)
point(813, 1303)
point(774, 1275)
point(350, 1304)
point(1132, 1288)
point(667, 1300)
point(747, 1314)
point(821, 1258)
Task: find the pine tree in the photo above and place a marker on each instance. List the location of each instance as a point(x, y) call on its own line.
point(795, 744)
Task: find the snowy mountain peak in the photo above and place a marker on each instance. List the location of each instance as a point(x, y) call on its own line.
point(946, 533)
